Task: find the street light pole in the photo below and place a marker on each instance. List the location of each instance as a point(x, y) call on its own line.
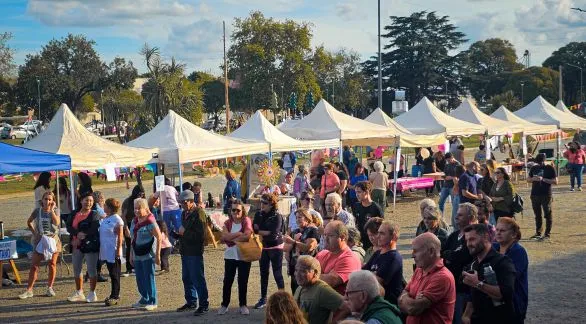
point(522, 101)
point(447, 98)
point(380, 75)
point(39, 96)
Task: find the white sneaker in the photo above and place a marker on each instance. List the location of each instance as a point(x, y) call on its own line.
point(77, 296)
point(223, 310)
point(50, 292)
point(91, 297)
point(244, 310)
point(26, 294)
point(150, 307)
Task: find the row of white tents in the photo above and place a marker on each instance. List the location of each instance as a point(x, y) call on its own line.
point(176, 140)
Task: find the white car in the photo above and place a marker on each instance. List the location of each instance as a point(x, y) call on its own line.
point(32, 125)
point(19, 132)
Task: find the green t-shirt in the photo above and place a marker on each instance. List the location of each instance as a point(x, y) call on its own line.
point(318, 301)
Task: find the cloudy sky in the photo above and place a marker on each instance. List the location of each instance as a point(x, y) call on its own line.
point(191, 30)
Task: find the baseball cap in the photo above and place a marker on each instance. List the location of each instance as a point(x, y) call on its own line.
point(186, 195)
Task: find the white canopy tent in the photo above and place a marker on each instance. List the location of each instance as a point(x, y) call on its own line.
point(180, 141)
point(426, 119)
point(259, 129)
point(467, 111)
point(325, 122)
point(406, 138)
point(88, 151)
point(529, 128)
point(539, 111)
point(562, 106)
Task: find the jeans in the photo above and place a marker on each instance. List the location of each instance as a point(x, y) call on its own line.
point(538, 203)
point(172, 219)
point(455, 206)
point(194, 281)
point(444, 193)
point(268, 257)
point(576, 175)
point(230, 267)
point(145, 281)
point(114, 270)
point(461, 300)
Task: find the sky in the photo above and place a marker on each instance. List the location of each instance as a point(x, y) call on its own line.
point(191, 30)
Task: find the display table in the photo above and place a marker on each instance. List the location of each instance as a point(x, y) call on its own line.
point(436, 176)
point(408, 183)
point(7, 254)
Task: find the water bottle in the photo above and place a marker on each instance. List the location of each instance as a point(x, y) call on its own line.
point(490, 279)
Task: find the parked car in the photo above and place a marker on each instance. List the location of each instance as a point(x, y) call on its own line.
point(95, 126)
point(16, 132)
point(32, 125)
point(6, 132)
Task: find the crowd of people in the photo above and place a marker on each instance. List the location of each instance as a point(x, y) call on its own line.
point(340, 250)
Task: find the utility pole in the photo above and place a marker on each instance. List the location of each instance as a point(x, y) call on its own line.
point(522, 96)
point(226, 102)
point(560, 67)
point(380, 75)
point(581, 80)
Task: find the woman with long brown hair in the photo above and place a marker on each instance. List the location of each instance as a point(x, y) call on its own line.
point(43, 221)
point(282, 309)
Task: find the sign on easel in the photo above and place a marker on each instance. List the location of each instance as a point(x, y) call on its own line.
point(8, 250)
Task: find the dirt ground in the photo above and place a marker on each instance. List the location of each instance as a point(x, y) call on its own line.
point(556, 276)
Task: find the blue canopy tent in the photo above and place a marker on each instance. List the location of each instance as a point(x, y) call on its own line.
point(15, 159)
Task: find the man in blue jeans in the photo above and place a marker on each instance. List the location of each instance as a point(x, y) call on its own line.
point(191, 240)
point(450, 173)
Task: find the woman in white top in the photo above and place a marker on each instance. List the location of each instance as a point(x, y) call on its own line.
point(379, 180)
point(236, 229)
point(111, 238)
point(43, 222)
point(42, 185)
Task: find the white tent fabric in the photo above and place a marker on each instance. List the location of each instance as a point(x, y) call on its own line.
point(425, 119)
point(540, 111)
point(407, 139)
point(180, 141)
point(528, 128)
point(325, 122)
point(88, 151)
point(259, 129)
point(562, 106)
point(467, 111)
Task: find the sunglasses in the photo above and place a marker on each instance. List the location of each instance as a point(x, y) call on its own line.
point(264, 202)
point(236, 210)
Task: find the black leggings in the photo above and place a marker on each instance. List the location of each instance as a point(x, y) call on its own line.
point(114, 269)
point(128, 243)
point(165, 252)
point(230, 267)
point(272, 257)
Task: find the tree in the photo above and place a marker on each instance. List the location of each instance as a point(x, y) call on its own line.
point(486, 64)
point(6, 55)
point(536, 81)
point(87, 104)
point(573, 53)
point(67, 69)
point(507, 99)
point(293, 103)
point(309, 104)
point(417, 56)
point(266, 52)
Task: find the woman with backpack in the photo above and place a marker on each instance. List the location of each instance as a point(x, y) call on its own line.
point(501, 195)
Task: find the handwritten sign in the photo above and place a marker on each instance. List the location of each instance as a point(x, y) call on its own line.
point(160, 183)
point(8, 250)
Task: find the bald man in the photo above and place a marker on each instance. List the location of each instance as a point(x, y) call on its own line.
point(430, 296)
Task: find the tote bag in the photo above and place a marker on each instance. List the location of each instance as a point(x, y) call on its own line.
point(251, 250)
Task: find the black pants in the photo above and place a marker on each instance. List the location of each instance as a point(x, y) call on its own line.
point(501, 213)
point(272, 257)
point(230, 267)
point(538, 203)
point(165, 258)
point(128, 243)
point(114, 269)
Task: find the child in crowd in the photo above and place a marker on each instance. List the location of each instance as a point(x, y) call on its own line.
point(166, 246)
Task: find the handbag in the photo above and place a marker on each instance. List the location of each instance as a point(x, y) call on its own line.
point(517, 206)
point(144, 249)
point(250, 250)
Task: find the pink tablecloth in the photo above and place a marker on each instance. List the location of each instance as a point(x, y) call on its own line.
point(406, 183)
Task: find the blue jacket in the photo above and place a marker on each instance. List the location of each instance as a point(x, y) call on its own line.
point(232, 190)
point(519, 257)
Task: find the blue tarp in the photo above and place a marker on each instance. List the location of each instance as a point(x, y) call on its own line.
point(16, 159)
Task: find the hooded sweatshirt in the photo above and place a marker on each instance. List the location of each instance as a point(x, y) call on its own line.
point(383, 311)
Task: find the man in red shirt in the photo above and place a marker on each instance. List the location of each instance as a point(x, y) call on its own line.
point(337, 261)
point(430, 296)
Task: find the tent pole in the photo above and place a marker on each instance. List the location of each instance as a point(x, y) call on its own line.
point(558, 144)
point(72, 189)
point(487, 143)
point(340, 158)
point(180, 177)
point(397, 165)
point(58, 194)
point(525, 151)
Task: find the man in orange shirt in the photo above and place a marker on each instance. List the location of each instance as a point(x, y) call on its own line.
point(330, 182)
point(430, 296)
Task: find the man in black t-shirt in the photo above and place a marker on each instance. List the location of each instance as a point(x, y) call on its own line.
point(365, 209)
point(456, 256)
point(491, 278)
point(542, 177)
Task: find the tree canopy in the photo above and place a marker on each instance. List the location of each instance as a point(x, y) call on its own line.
point(570, 57)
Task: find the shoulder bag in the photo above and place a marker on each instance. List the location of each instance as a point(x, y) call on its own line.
point(250, 250)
